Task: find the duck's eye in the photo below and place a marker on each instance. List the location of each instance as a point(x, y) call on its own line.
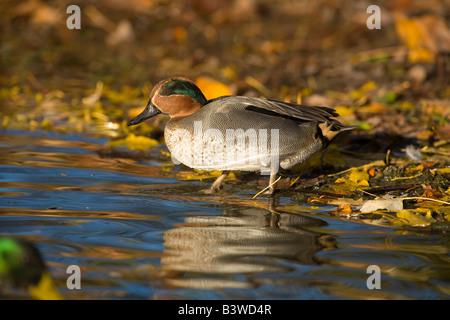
point(165, 92)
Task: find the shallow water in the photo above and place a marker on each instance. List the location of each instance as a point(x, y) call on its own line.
point(138, 232)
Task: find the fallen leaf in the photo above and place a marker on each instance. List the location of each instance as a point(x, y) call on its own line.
point(122, 35)
point(357, 179)
point(361, 92)
point(417, 217)
point(344, 111)
point(374, 107)
point(133, 112)
point(343, 209)
point(134, 142)
point(360, 177)
point(253, 82)
point(179, 33)
point(418, 168)
point(441, 171)
point(386, 203)
point(429, 192)
point(212, 88)
point(200, 175)
point(425, 36)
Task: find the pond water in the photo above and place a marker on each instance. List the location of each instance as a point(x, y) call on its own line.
point(138, 232)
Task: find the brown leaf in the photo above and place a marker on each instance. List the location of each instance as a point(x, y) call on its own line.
point(429, 192)
point(343, 209)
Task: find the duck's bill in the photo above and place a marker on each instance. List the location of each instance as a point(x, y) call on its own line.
point(149, 112)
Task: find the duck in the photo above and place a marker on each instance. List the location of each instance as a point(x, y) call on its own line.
point(22, 267)
point(238, 133)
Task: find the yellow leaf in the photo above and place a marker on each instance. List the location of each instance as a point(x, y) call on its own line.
point(344, 111)
point(415, 217)
point(370, 85)
point(199, 175)
point(229, 72)
point(414, 169)
point(343, 209)
point(420, 55)
point(357, 179)
point(46, 289)
point(360, 177)
point(253, 82)
point(341, 180)
point(406, 105)
point(359, 93)
point(425, 135)
point(415, 36)
point(374, 107)
point(212, 88)
point(134, 142)
point(443, 171)
point(133, 112)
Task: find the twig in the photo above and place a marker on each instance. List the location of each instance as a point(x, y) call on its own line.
point(266, 187)
point(338, 173)
point(377, 163)
point(404, 178)
point(391, 188)
point(323, 193)
point(373, 195)
point(258, 86)
point(292, 183)
point(429, 199)
point(436, 152)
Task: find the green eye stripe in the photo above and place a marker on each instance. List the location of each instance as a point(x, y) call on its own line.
point(181, 87)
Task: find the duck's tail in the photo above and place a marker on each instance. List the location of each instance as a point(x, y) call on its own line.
point(331, 129)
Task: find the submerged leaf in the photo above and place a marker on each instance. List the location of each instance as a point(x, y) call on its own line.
point(343, 210)
point(415, 217)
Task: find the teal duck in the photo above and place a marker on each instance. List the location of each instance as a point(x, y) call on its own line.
point(238, 133)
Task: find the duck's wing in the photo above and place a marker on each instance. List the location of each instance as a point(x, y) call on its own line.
point(297, 112)
point(291, 110)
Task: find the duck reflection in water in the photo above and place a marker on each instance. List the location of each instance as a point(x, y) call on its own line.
point(206, 251)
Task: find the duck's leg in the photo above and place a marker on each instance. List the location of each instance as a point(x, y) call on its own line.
point(272, 184)
point(216, 184)
point(215, 187)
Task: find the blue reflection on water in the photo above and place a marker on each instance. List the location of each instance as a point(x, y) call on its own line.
point(144, 236)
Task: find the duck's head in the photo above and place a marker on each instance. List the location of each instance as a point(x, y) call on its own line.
point(20, 262)
point(21, 265)
point(178, 97)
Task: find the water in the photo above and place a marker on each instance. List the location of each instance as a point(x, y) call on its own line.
point(138, 232)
